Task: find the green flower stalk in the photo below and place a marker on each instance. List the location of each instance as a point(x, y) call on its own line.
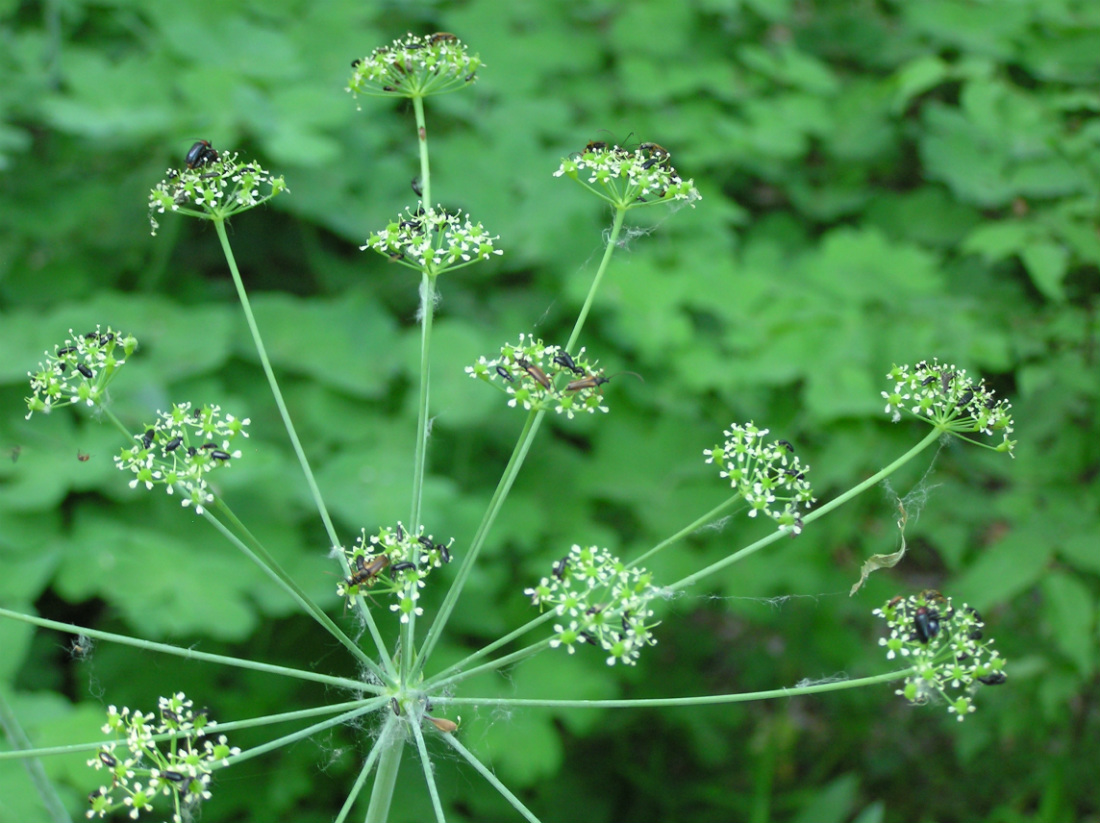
point(628, 178)
point(433, 241)
point(140, 770)
point(181, 448)
point(945, 644)
point(769, 476)
point(541, 377)
point(415, 67)
point(215, 190)
point(79, 370)
point(606, 602)
point(942, 394)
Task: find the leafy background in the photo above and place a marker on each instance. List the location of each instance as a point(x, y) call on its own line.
point(883, 182)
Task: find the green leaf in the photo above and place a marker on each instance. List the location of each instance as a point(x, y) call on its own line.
point(1070, 611)
point(1047, 264)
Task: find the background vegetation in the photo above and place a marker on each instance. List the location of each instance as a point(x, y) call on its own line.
point(883, 182)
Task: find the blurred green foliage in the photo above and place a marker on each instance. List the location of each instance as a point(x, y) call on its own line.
point(883, 182)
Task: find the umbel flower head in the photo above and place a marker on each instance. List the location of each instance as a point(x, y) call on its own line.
point(139, 770)
point(433, 241)
point(628, 178)
point(399, 562)
point(606, 603)
point(213, 186)
point(942, 394)
point(79, 370)
point(768, 475)
point(946, 646)
point(415, 66)
point(541, 377)
point(181, 448)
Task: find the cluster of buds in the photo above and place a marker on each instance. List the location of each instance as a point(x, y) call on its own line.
point(768, 476)
point(181, 448)
point(396, 560)
point(607, 604)
point(541, 377)
point(946, 647)
point(627, 178)
point(213, 184)
point(433, 240)
point(79, 370)
point(140, 770)
point(943, 394)
point(415, 66)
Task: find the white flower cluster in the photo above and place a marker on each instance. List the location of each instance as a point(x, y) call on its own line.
point(223, 186)
point(608, 604)
point(435, 240)
point(397, 559)
point(629, 177)
point(415, 66)
point(768, 476)
point(945, 644)
point(79, 370)
point(943, 394)
point(537, 376)
point(181, 448)
point(182, 772)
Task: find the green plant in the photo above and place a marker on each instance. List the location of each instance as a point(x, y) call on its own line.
point(598, 598)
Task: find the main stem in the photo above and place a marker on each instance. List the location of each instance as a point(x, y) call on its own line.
point(420, 460)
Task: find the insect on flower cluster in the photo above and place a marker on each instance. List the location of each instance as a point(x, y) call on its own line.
point(607, 603)
point(943, 394)
point(79, 370)
point(629, 177)
point(181, 448)
point(396, 559)
point(415, 66)
point(140, 769)
point(433, 240)
point(541, 377)
point(946, 646)
point(212, 183)
point(768, 476)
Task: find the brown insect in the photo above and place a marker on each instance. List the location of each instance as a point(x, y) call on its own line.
point(536, 374)
point(365, 573)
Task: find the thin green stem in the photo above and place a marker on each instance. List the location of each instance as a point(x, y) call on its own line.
point(523, 444)
point(511, 471)
point(422, 143)
point(821, 511)
point(429, 776)
point(118, 424)
point(689, 529)
point(427, 312)
point(192, 654)
point(663, 702)
point(427, 308)
point(605, 263)
point(260, 556)
point(493, 780)
point(302, 734)
point(18, 738)
point(357, 787)
point(441, 682)
point(487, 650)
point(276, 392)
point(265, 361)
point(232, 725)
